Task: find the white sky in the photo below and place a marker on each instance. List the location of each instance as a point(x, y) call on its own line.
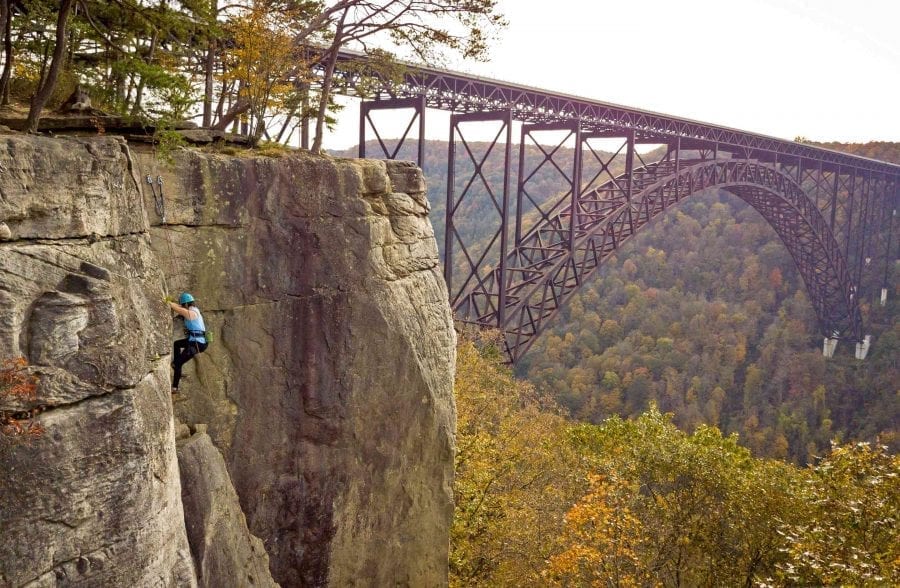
point(823, 69)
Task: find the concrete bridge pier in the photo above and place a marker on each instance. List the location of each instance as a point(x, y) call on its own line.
point(862, 347)
point(883, 296)
point(829, 346)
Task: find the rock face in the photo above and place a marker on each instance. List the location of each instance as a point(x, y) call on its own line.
point(227, 555)
point(328, 386)
point(95, 500)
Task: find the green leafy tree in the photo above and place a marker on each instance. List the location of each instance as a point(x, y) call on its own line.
point(850, 535)
point(704, 504)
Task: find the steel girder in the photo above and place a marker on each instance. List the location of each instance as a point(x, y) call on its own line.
point(834, 211)
point(545, 269)
point(464, 93)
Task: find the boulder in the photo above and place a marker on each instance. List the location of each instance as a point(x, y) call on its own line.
point(226, 554)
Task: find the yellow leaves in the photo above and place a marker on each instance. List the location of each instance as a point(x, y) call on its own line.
point(262, 57)
point(603, 538)
point(516, 475)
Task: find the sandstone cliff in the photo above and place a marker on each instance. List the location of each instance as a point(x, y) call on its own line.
point(329, 385)
point(95, 501)
point(327, 389)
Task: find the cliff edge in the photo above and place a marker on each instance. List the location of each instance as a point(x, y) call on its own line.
point(327, 389)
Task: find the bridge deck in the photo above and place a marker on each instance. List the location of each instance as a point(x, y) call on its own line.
point(461, 92)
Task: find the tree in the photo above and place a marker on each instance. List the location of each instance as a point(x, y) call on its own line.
point(516, 474)
point(602, 538)
point(272, 60)
point(47, 83)
point(424, 28)
point(705, 505)
point(6, 31)
point(850, 535)
point(259, 63)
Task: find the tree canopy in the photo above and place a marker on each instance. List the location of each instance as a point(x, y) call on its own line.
point(545, 500)
point(262, 67)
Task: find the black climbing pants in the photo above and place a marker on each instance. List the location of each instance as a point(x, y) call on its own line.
point(183, 352)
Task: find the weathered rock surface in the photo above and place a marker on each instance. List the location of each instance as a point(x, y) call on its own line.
point(328, 387)
point(66, 188)
point(226, 554)
point(95, 500)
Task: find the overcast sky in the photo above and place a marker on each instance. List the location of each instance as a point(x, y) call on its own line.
point(823, 69)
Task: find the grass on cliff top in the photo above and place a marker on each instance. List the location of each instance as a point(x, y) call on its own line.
point(264, 149)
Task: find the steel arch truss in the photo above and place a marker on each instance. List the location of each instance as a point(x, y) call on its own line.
point(551, 263)
point(834, 211)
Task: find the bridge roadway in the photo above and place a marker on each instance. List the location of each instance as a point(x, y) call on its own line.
point(835, 212)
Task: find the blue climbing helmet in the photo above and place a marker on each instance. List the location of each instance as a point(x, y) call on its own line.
point(185, 298)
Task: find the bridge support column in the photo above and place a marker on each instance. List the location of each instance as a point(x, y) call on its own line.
point(417, 104)
point(829, 346)
point(478, 296)
point(862, 347)
point(883, 296)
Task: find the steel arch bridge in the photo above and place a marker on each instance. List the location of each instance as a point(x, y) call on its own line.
point(833, 211)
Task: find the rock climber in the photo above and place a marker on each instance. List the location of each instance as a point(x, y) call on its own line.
point(195, 330)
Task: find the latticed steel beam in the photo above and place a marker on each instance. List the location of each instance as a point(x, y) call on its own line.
point(459, 92)
point(831, 209)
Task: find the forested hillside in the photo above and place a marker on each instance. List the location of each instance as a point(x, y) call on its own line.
point(544, 501)
point(883, 150)
point(704, 314)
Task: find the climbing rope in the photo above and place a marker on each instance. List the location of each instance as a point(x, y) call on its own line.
point(158, 199)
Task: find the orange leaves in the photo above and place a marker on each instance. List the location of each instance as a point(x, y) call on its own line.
point(602, 536)
point(15, 381)
point(775, 278)
point(20, 429)
point(18, 385)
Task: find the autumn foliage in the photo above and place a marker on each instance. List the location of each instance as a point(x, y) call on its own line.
point(542, 500)
point(19, 386)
